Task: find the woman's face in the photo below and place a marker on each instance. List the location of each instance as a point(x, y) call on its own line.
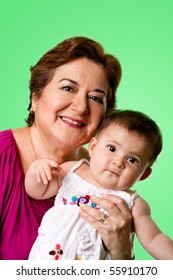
point(73, 103)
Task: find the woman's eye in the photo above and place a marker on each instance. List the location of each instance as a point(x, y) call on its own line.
point(67, 88)
point(111, 149)
point(132, 160)
point(97, 99)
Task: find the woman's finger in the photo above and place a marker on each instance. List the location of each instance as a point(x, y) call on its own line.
point(93, 216)
point(115, 230)
point(111, 203)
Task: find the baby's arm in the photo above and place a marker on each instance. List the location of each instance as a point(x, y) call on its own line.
point(43, 179)
point(159, 245)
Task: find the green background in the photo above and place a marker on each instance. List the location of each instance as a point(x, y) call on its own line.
point(139, 33)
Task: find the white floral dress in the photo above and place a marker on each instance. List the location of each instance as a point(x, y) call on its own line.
point(63, 234)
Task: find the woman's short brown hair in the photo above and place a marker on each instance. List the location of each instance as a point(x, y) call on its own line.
point(66, 51)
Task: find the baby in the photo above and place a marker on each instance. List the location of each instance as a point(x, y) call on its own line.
point(127, 144)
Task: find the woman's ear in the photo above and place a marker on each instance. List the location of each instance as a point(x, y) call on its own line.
point(34, 100)
point(91, 146)
point(146, 174)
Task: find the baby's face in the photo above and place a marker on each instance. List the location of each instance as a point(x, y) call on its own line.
point(118, 157)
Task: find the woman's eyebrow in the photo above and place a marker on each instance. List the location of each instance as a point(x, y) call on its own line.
point(69, 80)
point(76, 83)
point(100, 90)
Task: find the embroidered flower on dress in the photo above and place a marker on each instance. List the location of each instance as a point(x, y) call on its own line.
point(64, 200)
point(84, 199)
point(76, 199)
point(57, 252)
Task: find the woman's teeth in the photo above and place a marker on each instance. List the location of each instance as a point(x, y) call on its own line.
point(72, 121)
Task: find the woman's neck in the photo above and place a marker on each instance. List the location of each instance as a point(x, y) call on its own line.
point(49, 148)
point(31, 147)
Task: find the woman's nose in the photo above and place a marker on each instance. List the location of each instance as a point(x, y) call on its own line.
point(80, 104)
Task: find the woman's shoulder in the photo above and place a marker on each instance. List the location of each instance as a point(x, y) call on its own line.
point(9, 155)
point(5, 133)
point(6, 139)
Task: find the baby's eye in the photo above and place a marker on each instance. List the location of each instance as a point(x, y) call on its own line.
point(132, 160)
point(111, 148)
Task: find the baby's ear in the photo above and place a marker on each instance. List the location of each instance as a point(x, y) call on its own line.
point(146, 174)
point(91, 146)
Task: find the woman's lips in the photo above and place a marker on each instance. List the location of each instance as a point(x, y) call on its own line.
point(73, 122)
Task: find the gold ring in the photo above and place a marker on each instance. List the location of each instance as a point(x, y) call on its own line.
point(103, 219)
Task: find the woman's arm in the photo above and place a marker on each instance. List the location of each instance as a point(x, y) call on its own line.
point(150, 236)
point(116, 229)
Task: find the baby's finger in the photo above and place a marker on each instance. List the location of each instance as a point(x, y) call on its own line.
point(38, 177)
point(47, 172)
point(52, 163)
point(45, 176)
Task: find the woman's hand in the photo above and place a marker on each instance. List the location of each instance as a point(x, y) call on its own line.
point(116, 229)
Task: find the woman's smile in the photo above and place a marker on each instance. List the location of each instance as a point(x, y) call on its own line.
point(72, 121)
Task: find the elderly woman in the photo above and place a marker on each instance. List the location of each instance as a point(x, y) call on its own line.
point(72, 87)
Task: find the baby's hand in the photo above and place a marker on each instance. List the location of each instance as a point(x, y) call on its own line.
point(43, 169)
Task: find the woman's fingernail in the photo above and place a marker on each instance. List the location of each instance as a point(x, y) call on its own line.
point(81, 204)
point(93, 197)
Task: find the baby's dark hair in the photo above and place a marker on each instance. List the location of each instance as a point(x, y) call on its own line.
point(138, 122)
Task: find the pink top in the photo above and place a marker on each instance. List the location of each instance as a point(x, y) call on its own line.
point(20, 216)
